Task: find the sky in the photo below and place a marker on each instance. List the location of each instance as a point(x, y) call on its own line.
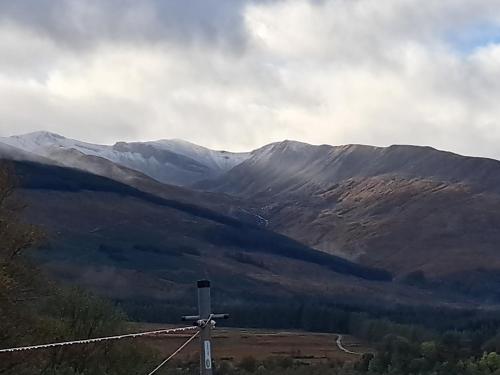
point(237, 74)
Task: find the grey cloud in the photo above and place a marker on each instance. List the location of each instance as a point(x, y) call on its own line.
point(237, 74)
point(76, 23)
point(27, 109)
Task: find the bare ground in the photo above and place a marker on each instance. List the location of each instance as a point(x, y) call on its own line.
point(234, 344)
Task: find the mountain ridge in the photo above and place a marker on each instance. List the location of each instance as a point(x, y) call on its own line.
point(278, 168)
point(179, 162)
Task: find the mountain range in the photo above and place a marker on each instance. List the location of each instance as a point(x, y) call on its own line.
point(169, 161)
point(351, 224)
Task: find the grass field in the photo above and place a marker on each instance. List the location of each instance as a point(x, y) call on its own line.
point(234, 344)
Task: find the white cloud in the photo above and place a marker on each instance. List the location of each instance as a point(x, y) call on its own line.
point(339, 71)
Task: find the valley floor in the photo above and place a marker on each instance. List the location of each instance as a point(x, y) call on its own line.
point(235, 344)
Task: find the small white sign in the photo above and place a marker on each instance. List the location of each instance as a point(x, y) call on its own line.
point(208, 355)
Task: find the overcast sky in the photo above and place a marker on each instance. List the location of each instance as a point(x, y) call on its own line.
point(236, 74)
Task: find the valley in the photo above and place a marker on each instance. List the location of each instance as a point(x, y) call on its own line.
point(426, 217)
point(322, 253)
point(249, 187)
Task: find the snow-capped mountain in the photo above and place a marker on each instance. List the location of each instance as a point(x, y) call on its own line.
point(173, 161)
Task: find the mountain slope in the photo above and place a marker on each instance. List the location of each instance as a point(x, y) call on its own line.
point(404, 225)
point(227, 229)
point(420, 213)
point(170, 161)
point(129, 244)
point(13, 153)
point(403, 208)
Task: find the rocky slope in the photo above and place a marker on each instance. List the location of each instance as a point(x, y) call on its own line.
point(115, 238)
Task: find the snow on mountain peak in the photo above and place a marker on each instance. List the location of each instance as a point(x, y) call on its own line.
point(172, 161)
point(41, 134)
point(38, 137)
point(220, 160)
point(34, 142)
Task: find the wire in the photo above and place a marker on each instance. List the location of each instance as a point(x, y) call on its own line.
point(87, 341)
point(175, 353)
